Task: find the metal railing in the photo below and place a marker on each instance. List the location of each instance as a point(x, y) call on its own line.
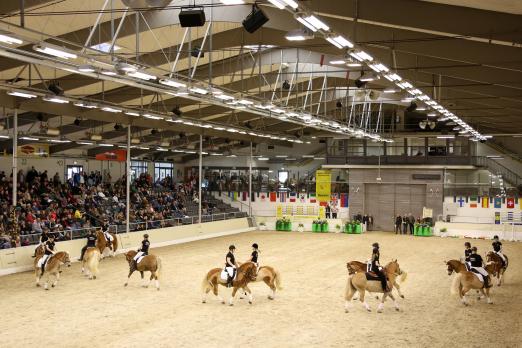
point(34, 238)
point(497, 168)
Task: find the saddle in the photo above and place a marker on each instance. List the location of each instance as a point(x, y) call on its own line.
point(372, 276)
point(224, 275)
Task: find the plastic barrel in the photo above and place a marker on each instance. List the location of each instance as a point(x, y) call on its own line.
point(416, 230)
point(314, 227)
point(278, 225)
point(349, 228)
point(325, 228)
point(358, 229)
point(288, 226)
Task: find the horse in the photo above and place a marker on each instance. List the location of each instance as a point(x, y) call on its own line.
point(149, 263)
point(357, 266)
point(498, 266)
point(102, 242)
point(52, 267)
point(466, 280)
point(90, 262)
point(246, 273)
point(359, 282)
point(271, 277)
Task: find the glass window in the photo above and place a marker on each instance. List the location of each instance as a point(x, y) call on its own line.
point(162, 170)
point(138, 168)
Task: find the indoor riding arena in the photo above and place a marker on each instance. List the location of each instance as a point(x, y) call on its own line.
point(269, 173)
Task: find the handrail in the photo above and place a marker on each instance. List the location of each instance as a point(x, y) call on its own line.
point(494, 166)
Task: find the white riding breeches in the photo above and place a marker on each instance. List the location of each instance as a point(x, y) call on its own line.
point(108, 236)
point(42, 260)
point(481, 270)
point(138, 255)
point(499, 253)
point(231, 271)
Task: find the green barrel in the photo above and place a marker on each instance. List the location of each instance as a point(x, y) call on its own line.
point(358, 229)
point(314, 227)
point(426, 231)
point(288, 226)
point(416, 230)
point(278, 225)
point(349, 228)
point(324, 228)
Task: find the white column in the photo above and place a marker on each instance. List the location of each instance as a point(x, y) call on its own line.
point(250, 182)
point(15, 155)
point(199, 175)
point(128, 179)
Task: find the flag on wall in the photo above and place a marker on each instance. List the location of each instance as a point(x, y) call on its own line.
point(293, 197)
point(273, 197)
point(244, 196)
point(473, 202)
point(461, 202)
point(312, 198)
point(302, 198)
point(473, 205)
point(498, 203)
point(262, 196)
point(485, 202)
point(344, 200)
point(510, 202)
point(282, 197)
point(236, 195)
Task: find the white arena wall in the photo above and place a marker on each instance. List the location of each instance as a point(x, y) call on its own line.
point(20, 260)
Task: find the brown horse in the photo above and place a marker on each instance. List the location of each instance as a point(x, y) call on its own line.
point(102, 243)
point(358, 282)
point(149, 263)
point(357, 266)
point(51, 268)
point(271, 277)
point(246, 273)
point(90, 262)
point(499, 267)
point(465, 281)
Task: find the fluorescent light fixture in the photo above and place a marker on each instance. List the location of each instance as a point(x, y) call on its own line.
point(337, 62)
point(353, 64)
point(277, 3)
point(55, 99)
point(207, 125)
point(141, 75)
point(263, 158)
point(389, 91)
point(132, 113)
point(152, 117)
point(162, 149)
point(224, 97)
point(232, 2)
point(135, 140)
point(445, 137)
point(105, 47)
point(432, 114)
point(312, 22)
point(21, 94)
point(198, 90)
point(111, 109)
point(369, 77)
point(10, 40)
point(378, 67)
point(86, 105)
point(188, 123)
point(109, 72)
point(361, 56)
point(281, 156)
point(392, 77)
point(216, 154)
point(245, 102)
point(405, 85)
point(105, 145)
point(293, 4)
point(87, 68)
point(318, 158)
point(143, 148)
point(29, 138)
point(125, 67)
point(339, 41)
point(84, 143)
point(231, 130)
point(4, 136)
point(54, 51)
point(172, 83)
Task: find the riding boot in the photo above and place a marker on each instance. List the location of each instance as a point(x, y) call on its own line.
point(486, 282)
point(229, 282)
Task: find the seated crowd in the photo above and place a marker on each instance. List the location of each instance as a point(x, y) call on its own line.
point(84, 201)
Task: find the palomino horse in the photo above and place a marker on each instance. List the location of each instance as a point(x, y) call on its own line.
point(465, 281)
point(271, 277)
point(246, 273)
point(51, 268)
point(498, 270)
point(102, 242)
point(357, 266)
point(90, 262)
point(358, 282)
point(149, 263)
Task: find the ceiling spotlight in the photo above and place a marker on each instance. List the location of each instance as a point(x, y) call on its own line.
point(117, 126)
point(190, 16)
point(255, 20)
point(153, 131)
point(124, 68)
point(359, 83)
point(286, 85)
point(339, 104)
point(55, 88)
point(77, 121)
point(197, 52)
point(432, 124)
point(423, 124)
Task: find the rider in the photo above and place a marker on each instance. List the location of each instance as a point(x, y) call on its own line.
point(108, 236)
point(255, 254)
point(230, 265)
point(144, 250)
point(476, 266)
point(497, 248)
point(91, 242)
point(467, 253)
point(48, 251)
point(377, 269)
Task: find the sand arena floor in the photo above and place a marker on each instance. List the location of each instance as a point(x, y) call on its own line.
point(308, 312)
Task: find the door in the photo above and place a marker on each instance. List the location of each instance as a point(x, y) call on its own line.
point(379, 202)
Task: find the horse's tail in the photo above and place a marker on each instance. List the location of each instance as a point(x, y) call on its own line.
point(92, 261)
point(205, 284)
point(115, 243)
point(158, 269)
point(277, 280)
point(350, 289)
point(456, 285)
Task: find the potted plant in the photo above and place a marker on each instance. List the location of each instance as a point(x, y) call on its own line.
point(300, 227)
point(443, 232)
point(262, 226)
point(337, 228)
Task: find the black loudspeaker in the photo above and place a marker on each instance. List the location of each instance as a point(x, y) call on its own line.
point(271, 147)
point(255, 20)
point(192, 17)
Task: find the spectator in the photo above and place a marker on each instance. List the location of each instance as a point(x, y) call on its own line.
point(398, 223)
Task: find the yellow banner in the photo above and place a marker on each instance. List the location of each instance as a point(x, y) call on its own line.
point(323, 179)
point(279, 211)
point(33, 150)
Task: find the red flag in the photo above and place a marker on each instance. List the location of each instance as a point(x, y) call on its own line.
point(510, 202)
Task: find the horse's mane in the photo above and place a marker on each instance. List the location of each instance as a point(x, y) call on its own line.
point(248, 263)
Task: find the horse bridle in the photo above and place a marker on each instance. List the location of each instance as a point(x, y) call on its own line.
point(245, 273)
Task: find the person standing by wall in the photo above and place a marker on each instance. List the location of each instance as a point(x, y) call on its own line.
point(398, 224)
point(411, 222)
point(405, 223)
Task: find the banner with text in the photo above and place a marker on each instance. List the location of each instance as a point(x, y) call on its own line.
point(323, 179)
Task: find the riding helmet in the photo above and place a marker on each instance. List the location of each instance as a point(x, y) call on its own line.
point(467, 244)
point(255, 246)
point(232, 247)
point(474, 248)
point(375, 245)
point(495, 237)
point(145, 235)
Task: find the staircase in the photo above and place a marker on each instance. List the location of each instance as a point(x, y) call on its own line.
point(498, 169)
